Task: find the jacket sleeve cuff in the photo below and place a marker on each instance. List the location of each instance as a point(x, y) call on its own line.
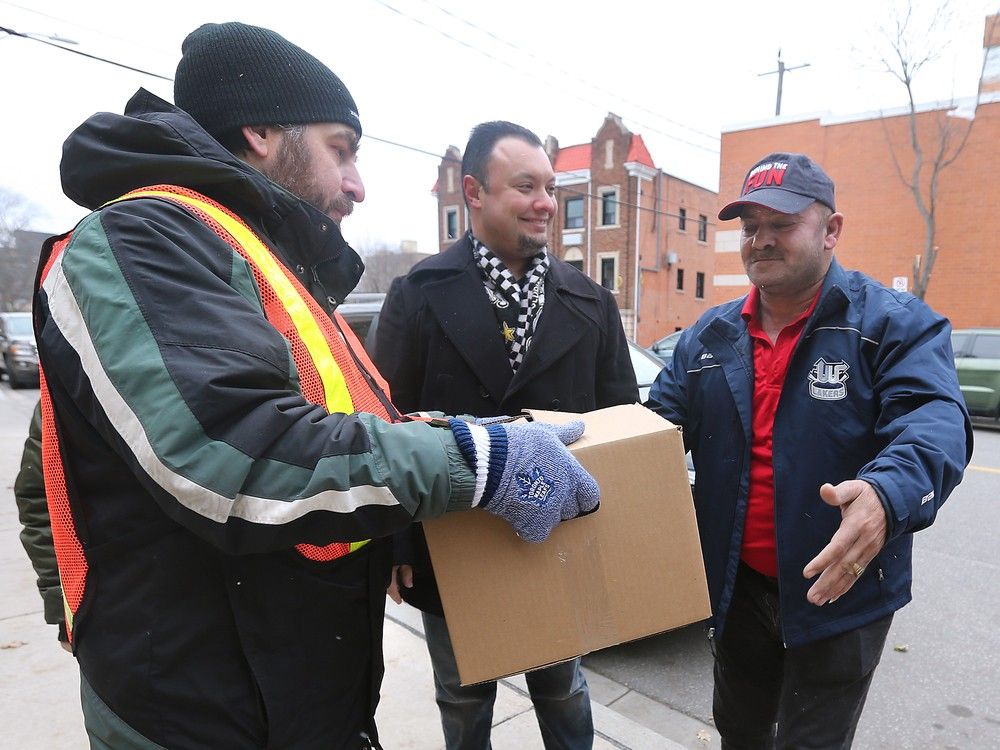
point(485, 450)
point(474, 443)
point(891, 521)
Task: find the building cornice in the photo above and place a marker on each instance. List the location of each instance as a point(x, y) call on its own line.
point(635, 168)
point(962, 107)
point(576, 177)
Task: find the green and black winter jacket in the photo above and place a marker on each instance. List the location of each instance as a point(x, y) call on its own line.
point(195, 465)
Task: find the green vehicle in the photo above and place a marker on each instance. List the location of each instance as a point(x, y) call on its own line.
point(977, 359)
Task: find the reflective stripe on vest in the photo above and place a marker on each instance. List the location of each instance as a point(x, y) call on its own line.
point(327, 351)
point(334, 370)
point(336, 398)
point(70, 558)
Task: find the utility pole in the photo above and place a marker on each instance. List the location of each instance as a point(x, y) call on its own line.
point(782, 69)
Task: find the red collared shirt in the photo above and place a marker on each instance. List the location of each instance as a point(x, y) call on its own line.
point(770, 363)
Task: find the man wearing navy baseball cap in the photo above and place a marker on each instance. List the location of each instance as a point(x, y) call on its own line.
point(766, 185)
point(826, 424)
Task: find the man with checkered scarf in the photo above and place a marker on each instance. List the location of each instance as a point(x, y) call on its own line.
point(493, 325)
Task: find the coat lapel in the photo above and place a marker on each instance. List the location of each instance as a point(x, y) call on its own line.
point(561, 326)
point(462, 310)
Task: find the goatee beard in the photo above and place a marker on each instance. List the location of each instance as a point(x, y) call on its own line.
point(528, 246)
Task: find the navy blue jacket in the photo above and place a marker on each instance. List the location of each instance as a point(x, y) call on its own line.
point(871, 393)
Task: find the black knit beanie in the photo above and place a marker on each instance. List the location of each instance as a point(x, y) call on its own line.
point(232, 74)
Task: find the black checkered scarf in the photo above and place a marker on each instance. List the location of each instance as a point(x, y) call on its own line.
point(528, 294)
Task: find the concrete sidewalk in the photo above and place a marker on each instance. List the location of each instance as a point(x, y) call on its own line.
point(408, 718)
point(41, 708)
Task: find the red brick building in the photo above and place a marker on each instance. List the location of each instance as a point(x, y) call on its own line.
point(644, 234)
point(883, 229)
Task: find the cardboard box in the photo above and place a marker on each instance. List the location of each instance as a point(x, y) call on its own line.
point(630, 570)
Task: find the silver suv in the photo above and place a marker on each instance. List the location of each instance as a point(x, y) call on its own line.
point(361, 311)
point(17, 346)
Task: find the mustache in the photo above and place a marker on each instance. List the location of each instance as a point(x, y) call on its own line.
point(343, 205)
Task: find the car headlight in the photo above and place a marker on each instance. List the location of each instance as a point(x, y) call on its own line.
point(21, 350)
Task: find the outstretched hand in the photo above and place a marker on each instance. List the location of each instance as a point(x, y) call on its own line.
point(860, 537)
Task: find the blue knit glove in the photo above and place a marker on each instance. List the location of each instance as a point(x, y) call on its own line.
point(525, 475)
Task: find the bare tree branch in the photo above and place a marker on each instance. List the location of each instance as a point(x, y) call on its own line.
point(15, 213)
point(930, 156)
point(383, 264)
point(18, 251)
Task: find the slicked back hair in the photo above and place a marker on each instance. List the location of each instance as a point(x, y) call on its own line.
point(482, 141)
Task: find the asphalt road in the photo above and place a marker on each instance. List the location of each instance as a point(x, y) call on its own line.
point(938, 686)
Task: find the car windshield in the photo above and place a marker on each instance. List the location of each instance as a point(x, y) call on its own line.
point(670, 341)
point(20, 326)
point(646, 367)
point(986, 346)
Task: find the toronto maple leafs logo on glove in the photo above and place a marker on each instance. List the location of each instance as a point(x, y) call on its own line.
point(534, 487)
point(525, 475)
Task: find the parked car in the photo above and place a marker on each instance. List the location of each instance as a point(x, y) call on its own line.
point(17, 346)
point(977, 360)
point(646, 367)
point(664, 348)
point(361, 311)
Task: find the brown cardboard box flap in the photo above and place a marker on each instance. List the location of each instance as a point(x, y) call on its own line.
point(630, 570)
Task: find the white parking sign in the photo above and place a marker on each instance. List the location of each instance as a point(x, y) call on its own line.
point(900, 283)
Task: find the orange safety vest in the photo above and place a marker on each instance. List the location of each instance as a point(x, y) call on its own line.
point(334, 372)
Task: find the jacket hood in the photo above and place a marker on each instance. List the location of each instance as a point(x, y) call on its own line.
point(154, 142)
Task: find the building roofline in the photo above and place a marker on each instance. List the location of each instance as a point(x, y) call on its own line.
point(828, 118)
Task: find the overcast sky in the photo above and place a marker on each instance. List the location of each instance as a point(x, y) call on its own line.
point(424, 72)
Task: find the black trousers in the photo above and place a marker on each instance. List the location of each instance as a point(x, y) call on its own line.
point(768, 696)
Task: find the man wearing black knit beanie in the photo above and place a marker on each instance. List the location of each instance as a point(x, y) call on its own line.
point(223, 463)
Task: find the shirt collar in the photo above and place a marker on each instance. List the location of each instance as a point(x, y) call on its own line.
point(751, 309)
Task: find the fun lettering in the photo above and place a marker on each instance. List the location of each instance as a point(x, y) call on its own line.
point(765, 175)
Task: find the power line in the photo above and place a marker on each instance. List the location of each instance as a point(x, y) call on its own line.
point(130, 41)
point(413, 148)
point(23, 35)
point(33, 38)
point(387, 141)
point(569, 74)
point(653, 210)
point(574, 95)
point(559, 188)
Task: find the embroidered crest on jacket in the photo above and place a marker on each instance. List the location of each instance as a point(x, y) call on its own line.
point(827, 380)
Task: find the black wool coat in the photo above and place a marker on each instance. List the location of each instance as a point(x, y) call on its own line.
point(439, 346)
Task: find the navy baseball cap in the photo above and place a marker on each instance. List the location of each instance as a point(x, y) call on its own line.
point(784, 182)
